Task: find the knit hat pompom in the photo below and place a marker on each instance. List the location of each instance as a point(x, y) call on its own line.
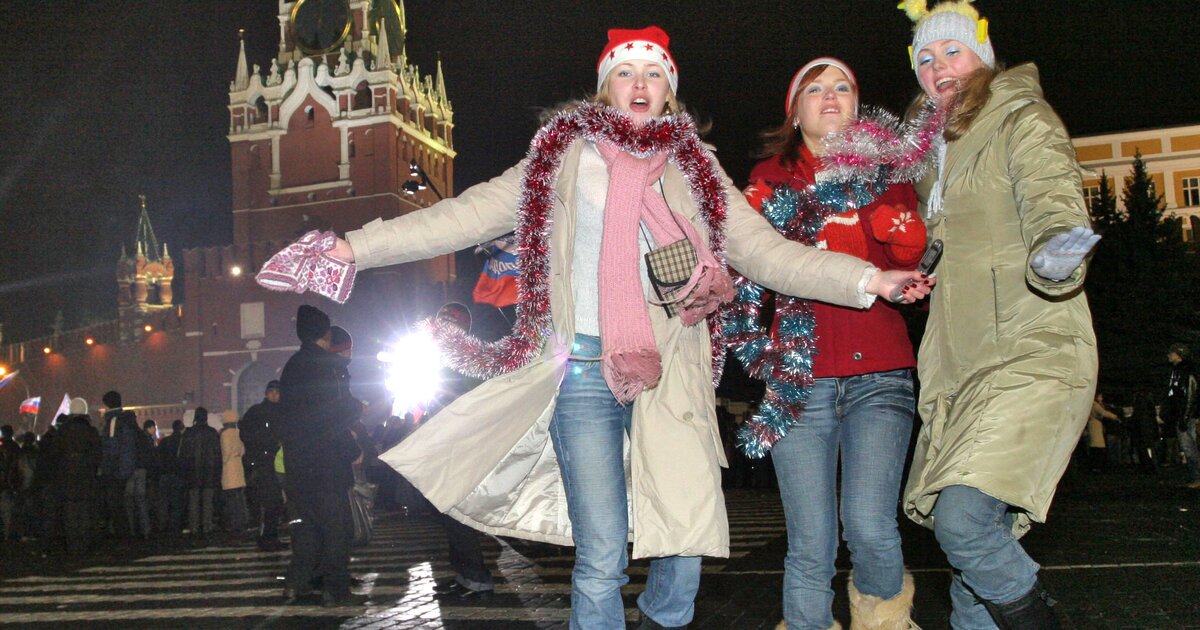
point(645, 44)
point(953, 19)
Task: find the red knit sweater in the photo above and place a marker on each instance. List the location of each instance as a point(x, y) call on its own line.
point(853, 341)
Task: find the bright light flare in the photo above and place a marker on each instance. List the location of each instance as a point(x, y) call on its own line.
point(413, 371)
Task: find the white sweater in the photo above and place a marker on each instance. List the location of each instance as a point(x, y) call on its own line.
point(591, 190)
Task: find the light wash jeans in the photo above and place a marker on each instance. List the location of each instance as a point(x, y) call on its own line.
point(1187, 444)
point(868, 420)
point(588, 431)
point(975, 532)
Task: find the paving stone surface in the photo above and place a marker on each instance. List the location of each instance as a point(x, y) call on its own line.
point(1120, 551)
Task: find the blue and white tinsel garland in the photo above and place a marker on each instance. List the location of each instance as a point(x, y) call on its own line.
point(785, 364)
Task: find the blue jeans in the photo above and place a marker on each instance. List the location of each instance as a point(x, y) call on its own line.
point(975, 532)
point(868, 419)
point(1187, 443)
point(588, 431)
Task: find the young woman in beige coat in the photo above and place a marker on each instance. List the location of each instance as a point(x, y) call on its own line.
point(598, 423)
point(1008, 362)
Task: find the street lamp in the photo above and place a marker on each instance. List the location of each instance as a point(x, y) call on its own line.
point(418, 181)
point(7, 377)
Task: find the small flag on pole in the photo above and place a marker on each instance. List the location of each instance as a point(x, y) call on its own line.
point(8, 378)
point(31, 405)
point(64, 408)
point(497, 284)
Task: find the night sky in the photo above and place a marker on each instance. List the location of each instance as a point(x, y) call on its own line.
point(103, 101)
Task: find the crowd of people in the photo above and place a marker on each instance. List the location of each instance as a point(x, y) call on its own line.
point(89, 479)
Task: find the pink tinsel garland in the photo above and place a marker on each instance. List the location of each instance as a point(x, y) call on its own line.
point(674, 135)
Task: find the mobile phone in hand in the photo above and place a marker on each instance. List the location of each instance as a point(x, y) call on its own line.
point(930, 260)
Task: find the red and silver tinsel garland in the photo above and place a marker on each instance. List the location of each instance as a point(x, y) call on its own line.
point(674, 135)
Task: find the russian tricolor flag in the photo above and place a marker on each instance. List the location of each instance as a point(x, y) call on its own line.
point(31, 405)
point(497, 283)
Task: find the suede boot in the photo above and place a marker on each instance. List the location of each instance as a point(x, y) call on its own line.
point(1033, 611)
point(868, 612)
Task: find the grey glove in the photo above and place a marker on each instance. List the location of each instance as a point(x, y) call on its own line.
point(1063, 254)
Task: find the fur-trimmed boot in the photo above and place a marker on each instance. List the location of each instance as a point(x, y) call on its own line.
point(868, 612)
point(783, 626)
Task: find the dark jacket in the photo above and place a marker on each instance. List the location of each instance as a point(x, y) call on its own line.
point(258, 434)
point(1180, 402)
point(316, 412)
point(166, 455)
point(119, 448)
point(144, 449)
point(200, 457)
point(10, 471)
point(78, 445)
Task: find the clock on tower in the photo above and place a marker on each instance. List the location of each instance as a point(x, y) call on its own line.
point(320, 26)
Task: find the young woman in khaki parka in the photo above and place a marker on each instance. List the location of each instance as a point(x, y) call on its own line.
point(1008, 362)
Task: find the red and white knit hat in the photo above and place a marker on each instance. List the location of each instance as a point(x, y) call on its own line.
point(644, 44)
point(819, 61)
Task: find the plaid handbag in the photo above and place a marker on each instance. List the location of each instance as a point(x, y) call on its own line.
point(670, 267)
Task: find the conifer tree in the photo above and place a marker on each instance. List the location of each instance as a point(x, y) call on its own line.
point(1143, 284)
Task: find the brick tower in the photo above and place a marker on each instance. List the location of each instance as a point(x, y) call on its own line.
point(329, 134)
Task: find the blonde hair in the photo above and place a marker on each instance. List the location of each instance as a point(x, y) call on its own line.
point(673, 106)
point(974, 94)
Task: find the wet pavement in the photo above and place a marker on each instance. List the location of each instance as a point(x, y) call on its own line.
point(1121, 550)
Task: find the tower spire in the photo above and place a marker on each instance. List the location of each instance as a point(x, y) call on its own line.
point(242, 80)
point(147, 243)
point(384, 55)
point(441, 83)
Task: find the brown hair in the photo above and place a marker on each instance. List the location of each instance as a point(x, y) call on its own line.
point(786, 139)
point(974, 94)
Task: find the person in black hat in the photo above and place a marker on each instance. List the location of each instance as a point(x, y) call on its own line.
point(258, 434)
point(1180, 408)
point(316, 409)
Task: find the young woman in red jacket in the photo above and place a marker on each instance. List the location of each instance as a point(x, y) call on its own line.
point(854, 393)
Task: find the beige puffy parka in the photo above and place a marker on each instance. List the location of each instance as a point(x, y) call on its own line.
point(1008, 362)
point(487, 460)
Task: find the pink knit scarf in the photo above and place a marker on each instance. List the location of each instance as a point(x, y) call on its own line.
point(630, 359)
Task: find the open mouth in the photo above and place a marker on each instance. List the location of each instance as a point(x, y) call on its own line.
point(639, 105)
point(949, 83)
point(831, 110)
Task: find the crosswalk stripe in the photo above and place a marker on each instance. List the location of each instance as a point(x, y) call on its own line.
point(235, 581)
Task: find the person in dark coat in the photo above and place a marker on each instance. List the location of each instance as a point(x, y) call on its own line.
point(316, 412)
point(78, 445)
point(10, 478)
point(200, 457)
point(258, 426)
point(118, 460)
point(136, 507)
point(471, 575)
point(172, 493)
